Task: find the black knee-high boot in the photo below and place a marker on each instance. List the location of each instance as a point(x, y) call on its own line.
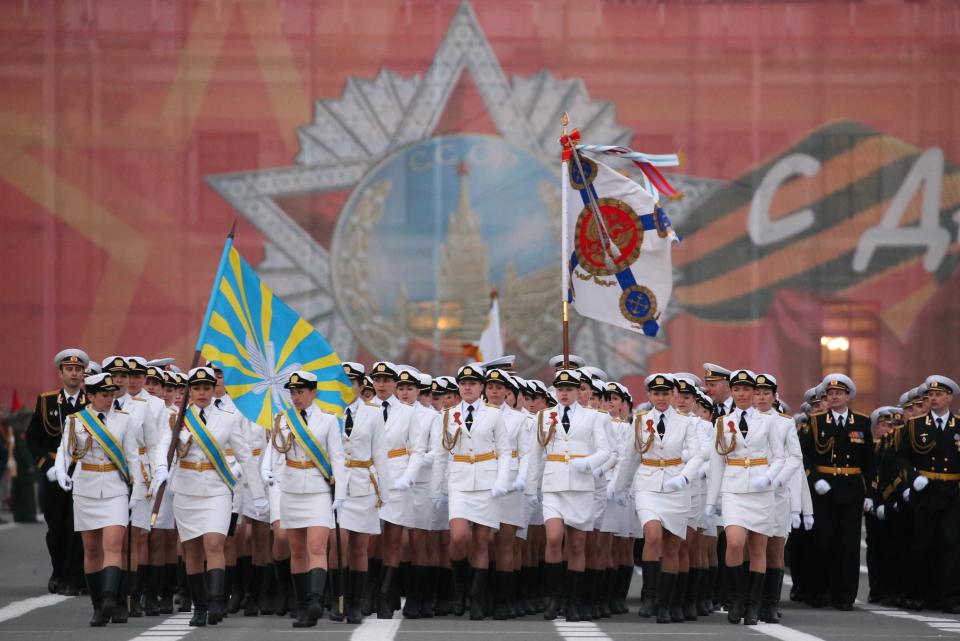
point(552, 577)
point(251, 606)
point(737, 580)
point(755, 585)
point(676, 599)
point(771, 596)
point(461, 578)
point(110, 587)
point(198, 594)
point(95, 586)
point(651, 589)
point(571, 590)
point(389, 587)
point(478, 593)
point(368, 602)
point(693, 594)
point(184, 601)
point(355, 596)
point(216, 595)
point(282, 605)
point(668, 582)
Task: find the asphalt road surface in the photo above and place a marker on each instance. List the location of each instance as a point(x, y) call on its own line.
point(28, 613)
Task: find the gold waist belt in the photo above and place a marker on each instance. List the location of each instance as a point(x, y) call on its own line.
point(474, 458)
point(94, 467)
point(746, 462)
point(842, 471)
point(662, 462)
point(397, 453)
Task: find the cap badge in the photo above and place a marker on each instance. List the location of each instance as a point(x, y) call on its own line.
point(201, 374)
point(467, 371)
point(381, 368)
point(742, 376)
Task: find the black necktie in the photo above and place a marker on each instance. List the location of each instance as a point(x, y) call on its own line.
point(566, 419)
point(116, 404)
point(348, 423)
point(303, 415)
point(743, 424)
point(386, 412)
point(217, 403)
point(469, 421)
point(661, 427)
point(841, 422)
point(203, 417)
point(939, 423)
point(72, 402)
point(101, 417)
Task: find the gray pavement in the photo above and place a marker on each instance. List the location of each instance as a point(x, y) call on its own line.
point(25, 574)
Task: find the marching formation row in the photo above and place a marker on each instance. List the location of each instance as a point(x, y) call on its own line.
point(491, 494)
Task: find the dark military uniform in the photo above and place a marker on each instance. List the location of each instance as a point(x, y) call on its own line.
point(843, 457)
point(800, 542)
point(934, 452)
point(43, 437)
point(891, 566)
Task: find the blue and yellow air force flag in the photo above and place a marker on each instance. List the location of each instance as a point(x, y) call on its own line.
point(258, 341)
point(619, 268)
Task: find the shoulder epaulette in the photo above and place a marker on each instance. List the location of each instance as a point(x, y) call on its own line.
point(496, 407)
point(682, 413)
point(135, 398)
point(369, 404)
point(786, 416)
point(121, 412)
point(860, 415)
point(818, 414)
point(51, 393)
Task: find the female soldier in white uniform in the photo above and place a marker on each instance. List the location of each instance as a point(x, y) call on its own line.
point(764, 398)
point(406, 446)
point(309, 440)
point(104, 444)
point(570, 443)
point(203, 488)
point(746, 459)
point(473, 475)
point(654, 466)
point(367, 486)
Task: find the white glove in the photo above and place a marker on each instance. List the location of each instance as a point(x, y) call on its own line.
point(808, 522)
point(675, 484)
point(498, 491)
point(52, 474)
point(867, 505)
point(598, 473)
point(519, 485)
point(711, 510)
point(159, 476)
point(64, 480)
point(881, 512)
point(794, 520)
point(402, 484)
point(821, 487)
point(622, 498)
point(776, 483)
point(906, 495)
point(131, 503)
point(337, 504)
point(611, 491)
point(267, 476)
point(702, 472)
point(920, 482)
point(439, 501)
point(581, 465)
point(760, 483)
point(261, 504)
point(533, 500)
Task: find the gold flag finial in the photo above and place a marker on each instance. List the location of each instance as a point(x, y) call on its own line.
point(564, 121)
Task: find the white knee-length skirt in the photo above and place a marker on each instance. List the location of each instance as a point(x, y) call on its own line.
point(306, 510)
point(165, 520)
point(672, 509)
point(441, 517)
point(576, 507)
point(199, 515)
point(140, 514)
point(599, 505)
point(249, 510)
point(399, 509)
point(273, 495)
point(613, 517)
point(93, 514)
point(359, 514)
point(477, 506)
point(751, 510)
point(781, 514)
point(422, 506)
point(513, 509)
point(535, 513)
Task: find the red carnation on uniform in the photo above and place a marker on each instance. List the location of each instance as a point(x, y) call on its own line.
point(456, 418)
point(553, 417)
point(649, 424)
point(732, 427)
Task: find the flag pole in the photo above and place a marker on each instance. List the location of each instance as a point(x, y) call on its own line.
point(227, 246)
point(564, 249)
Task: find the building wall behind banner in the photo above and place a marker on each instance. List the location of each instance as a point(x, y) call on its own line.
point(391, 161)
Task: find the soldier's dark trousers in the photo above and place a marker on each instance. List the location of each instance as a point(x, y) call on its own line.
point(936, 554)
point(799, 545)
point(836, 533)
point(63, 544)
point(876, 543)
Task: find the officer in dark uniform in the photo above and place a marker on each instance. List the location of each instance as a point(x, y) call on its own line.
point(43, 438)
point(839, 455)
point(929, 458)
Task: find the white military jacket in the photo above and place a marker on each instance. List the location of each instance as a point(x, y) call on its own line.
point(406, 442)
point(424, 417)
point(146, 412)
point(298, 474)
point(762, 443)
point(100, 484)
point(586, 438)
point(478, 458)
point(791, 476)
point(367, 442)
point(226, 427)
point(677, 452)
point(517, 424)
